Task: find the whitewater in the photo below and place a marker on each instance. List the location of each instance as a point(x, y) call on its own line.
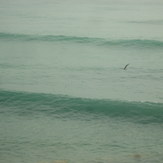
point(64, 94)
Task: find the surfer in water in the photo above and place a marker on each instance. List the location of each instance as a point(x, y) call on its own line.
point(125, 67)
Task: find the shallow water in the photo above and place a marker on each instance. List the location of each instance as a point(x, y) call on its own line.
point(64, 94)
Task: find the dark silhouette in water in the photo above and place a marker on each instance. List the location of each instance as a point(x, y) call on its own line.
point(137, 156)
point(125, 67)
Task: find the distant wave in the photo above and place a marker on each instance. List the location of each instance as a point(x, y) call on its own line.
point(24, 104)
point(140, 43)
point(157, 22)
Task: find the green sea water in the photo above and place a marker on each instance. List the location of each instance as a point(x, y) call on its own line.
point(64, 93)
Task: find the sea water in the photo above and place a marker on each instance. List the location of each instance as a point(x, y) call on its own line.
point(64, 93)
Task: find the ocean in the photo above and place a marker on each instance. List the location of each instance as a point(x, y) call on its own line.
point(65, 96)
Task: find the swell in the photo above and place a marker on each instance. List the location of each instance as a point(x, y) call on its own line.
point(154, 22)
point(140, 43)
point(23, 103)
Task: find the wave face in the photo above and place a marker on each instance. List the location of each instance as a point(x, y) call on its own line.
point(140, 43)
point(25, 104)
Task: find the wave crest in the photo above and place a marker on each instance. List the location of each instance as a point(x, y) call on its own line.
point(24, 103)
point(140, 43)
